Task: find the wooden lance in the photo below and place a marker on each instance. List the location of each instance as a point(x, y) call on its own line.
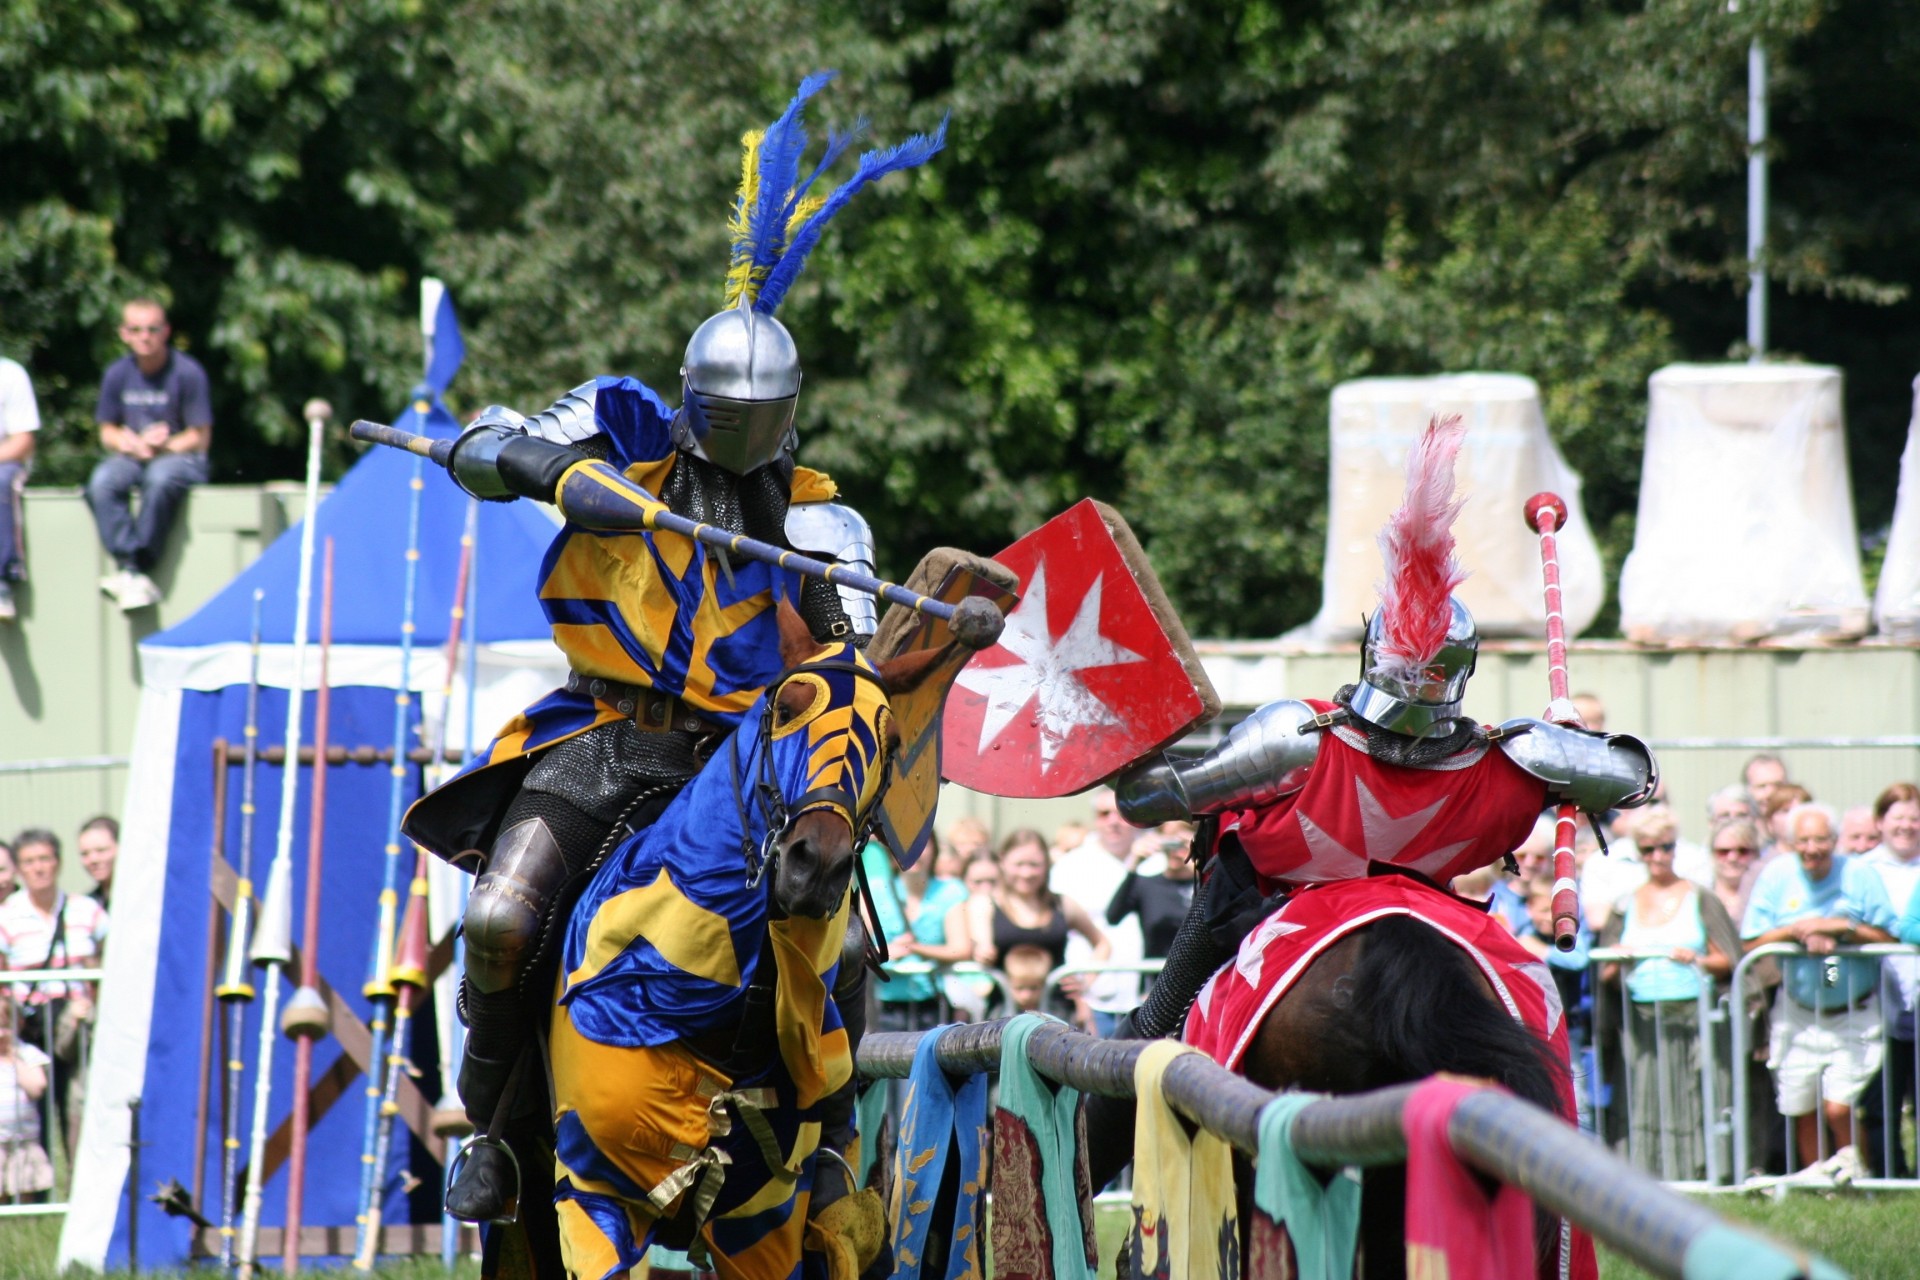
point(306, 1017)
point(1546, 514)
point(597, 496)
point(236, 989)
point(273, 947)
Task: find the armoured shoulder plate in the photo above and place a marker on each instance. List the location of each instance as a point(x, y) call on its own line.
point(835, 531)
point(568, 420)
point(1262, 758)
point(1592, 771)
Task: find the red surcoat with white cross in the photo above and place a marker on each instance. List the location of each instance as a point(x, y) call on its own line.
point(1442, 820)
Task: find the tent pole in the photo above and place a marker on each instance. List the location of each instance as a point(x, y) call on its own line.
point(207, 1038)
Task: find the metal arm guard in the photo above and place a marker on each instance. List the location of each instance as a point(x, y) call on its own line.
point(570, 419)
point(1592, 771)
point(495, 459)
point(1265, 756)
point(835, 531)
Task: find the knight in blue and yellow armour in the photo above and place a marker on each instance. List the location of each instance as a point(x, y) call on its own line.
point(668, 641)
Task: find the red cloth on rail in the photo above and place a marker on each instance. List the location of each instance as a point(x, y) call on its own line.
point(1454, 1230)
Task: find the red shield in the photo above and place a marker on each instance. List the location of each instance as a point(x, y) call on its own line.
point(1093, 672)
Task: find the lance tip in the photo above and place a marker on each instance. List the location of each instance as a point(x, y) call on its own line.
point(1546, 503)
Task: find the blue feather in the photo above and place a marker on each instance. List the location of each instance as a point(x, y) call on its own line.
point(779, 169)
point(837, 144)
point(874, 165)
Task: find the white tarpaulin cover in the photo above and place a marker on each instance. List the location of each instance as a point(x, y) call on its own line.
point(1746, 516)
point(1507, 458)
point(1896, 605)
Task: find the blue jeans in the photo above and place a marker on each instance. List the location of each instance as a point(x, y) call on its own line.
point(136, 541)
point(12, 567)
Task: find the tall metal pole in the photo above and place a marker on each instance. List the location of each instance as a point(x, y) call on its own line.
point(306, 1017)
point(236, 991)
point(1756, 202)
point(379, 988)
point(272, 947)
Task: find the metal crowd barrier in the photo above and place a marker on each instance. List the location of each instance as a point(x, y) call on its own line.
point(53, 1138)
point(1493, 1131)
point(1742, 1102)
point(1710, 1013)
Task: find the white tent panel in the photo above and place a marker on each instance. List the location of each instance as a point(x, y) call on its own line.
point(1896, 603)
point(1746, 516)
point(1508, 457)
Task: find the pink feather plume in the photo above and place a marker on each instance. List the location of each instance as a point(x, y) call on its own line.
point(1417, 545)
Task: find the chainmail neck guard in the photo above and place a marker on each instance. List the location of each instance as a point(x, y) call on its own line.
point(1397, 748)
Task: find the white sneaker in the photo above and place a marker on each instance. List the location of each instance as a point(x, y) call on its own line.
point(140, 592)
point(8, 610)
point(1844, 1165)
point(114, 586)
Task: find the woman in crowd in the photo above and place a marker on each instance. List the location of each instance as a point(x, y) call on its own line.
point(966, 995)
point(1735, 847)
point(913, 910)
point(25, 1172)
point(1160, 900)
point(1675, 931)
point(1023, 912)
point(1896, 860)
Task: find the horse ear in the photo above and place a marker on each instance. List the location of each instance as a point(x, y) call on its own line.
point(796, 639)
point(905, 671)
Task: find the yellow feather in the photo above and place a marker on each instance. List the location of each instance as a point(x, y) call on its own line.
point(739, 273)
point(801, 212)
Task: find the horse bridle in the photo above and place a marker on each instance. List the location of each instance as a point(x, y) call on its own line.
point(779, 813)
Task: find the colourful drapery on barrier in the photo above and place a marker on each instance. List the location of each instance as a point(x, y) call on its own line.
point(1291, 1203)
point(938, 1170)
point(1043, 1207)
point(1454, 1231)
point(1185, 1222)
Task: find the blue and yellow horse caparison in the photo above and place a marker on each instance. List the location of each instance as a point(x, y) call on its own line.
point(744, 877)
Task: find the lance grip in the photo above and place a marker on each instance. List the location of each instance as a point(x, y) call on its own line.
point(1546, 514)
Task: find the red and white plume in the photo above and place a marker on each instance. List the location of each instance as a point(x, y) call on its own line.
point(1417, 545)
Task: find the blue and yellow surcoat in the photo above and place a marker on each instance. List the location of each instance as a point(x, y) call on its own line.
point(653, 609)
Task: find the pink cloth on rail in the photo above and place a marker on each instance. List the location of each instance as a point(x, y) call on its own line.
point(1454, 1231)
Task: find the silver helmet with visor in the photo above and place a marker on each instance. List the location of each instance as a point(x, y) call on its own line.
point(739, 385)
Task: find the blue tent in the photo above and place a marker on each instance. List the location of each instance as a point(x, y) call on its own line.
point(194, 678)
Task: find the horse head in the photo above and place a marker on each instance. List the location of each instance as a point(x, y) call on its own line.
point(828, 717)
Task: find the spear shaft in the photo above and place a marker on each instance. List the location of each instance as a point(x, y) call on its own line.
point(1546, 514)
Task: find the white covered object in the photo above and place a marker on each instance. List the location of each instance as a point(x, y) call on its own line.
point(1896, 604)
point(1746, 517)
point(1507, 458)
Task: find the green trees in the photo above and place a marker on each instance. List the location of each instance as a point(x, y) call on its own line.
point(1163, 231)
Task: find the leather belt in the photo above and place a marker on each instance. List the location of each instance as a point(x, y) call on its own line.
point(651, 710)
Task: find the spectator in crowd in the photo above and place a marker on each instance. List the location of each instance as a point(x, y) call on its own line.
point(1026, 968)
point(1774, 812)
point(1826, 1035)
point(966, 995)
point(1896, 860)
point(1859, 831)
point(43, 927)
point(946, 861)
point(1760, 775)
point(156, 420)
point(26, 1174)
point(1592, 711)
point(1736, 848)
point(1570, 978)
point(1089, 876)
point(9, 876)
point(907, 994)
point(1728, 803)
point(19, 427)
point(1023, 911)
point(99, 846)
point(1605, 877)
point(1157, 902)
point(968, 836)
point(1533, 858)
point(1067, 837)
point(1676, 931)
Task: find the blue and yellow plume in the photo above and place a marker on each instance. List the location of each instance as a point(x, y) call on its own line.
point(775, 222)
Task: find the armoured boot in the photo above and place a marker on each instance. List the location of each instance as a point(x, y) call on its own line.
point(504, 915)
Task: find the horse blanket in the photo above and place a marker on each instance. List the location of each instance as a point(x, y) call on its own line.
point(1236, 1000)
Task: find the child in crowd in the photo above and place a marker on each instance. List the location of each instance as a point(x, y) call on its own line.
point(26, 1174)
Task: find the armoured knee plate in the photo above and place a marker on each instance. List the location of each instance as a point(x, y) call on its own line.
point(510, 900)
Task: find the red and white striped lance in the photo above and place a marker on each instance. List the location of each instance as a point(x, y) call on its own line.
point(1546, 514)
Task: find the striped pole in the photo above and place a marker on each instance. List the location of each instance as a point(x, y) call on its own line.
point(1546, 513)
point(379, 986)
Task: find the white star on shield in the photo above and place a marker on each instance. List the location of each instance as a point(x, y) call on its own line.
point(1047, 671)
point(1384, 836)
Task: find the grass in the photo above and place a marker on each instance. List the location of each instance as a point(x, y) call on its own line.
point(1869, 1235)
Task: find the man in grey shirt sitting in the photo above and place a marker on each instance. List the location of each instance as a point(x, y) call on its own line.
point(156, 421)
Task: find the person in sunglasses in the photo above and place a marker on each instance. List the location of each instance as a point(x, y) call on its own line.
point(155, 414)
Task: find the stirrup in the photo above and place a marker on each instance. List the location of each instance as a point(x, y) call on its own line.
point(508, 1214)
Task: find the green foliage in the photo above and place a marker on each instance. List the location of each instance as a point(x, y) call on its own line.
point(1162, 232)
